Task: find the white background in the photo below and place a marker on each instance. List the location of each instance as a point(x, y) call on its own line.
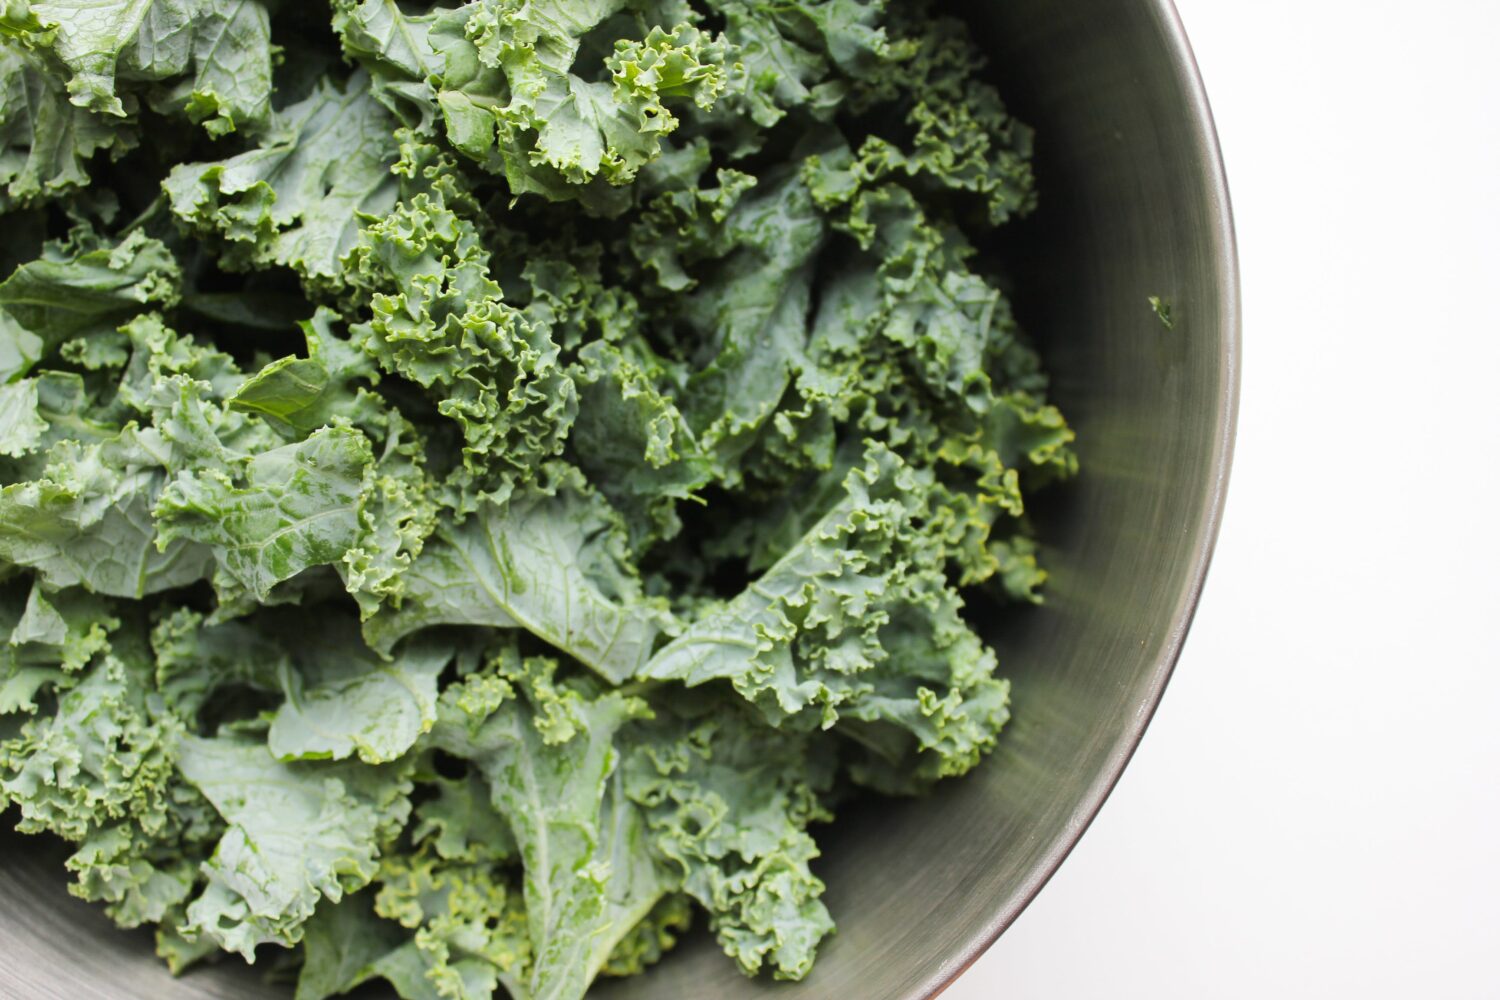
point(1315, 811)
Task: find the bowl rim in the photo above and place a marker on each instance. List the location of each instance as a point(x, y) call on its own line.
point(1205, 138)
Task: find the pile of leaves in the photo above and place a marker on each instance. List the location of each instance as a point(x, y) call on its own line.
point(481, 483)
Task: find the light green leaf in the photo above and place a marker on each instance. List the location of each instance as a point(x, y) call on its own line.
point(516, 98)
point(299, 395)
point(470, 929)
point(342, 944)
point(101, 757)
point(749, 311)
point(52, 638)
point(440, 320)
point(46, 142)
point(229, 55)
point(19, 349)
point(727, 803)
point(588, 878)
point(396, 49)
point(461, 822)
point(21, 427)
point(40, 622)
point(551, 563)
point(289, 509)
point(139, 881)
point(194, 660)
point(344, 700)
point(857, 622)
point(87, 36)
point(296, 199)
point(87, 522)
point(73, 624)
point(87, 282)
point(296, 833)
point(631, 440)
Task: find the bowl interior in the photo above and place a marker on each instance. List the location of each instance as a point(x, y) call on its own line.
point(1133, 205)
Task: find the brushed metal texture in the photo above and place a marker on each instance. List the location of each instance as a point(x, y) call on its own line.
point(1134, 204)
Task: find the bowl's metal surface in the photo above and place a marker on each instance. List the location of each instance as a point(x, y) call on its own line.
point(1134, 204)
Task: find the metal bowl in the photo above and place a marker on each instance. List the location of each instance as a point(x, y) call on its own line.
point(1134, 205)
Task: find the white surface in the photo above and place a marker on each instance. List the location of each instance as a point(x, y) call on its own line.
point(1316, 810)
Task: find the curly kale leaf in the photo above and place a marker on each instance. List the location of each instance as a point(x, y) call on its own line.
point(518, 97)
point(21, 426)
point(196, 660)
point(632, 440)
point(277, 514)
point(87, 521)
point(295, 833)
point(959, 135)
point(727, 803)
point(343, 945)
point(52, 638)
point(857, 622)
point(479, 482)
point(102, 758)
point(296, 199)
point(396, 48)
point(441, 321)
point(300, 395)
point(87, 38)
point(213, 58)
point(549, 561)
point(88, 283)
point(46, 142)
point(548, 754)
point(745, 254)
point(343, 700)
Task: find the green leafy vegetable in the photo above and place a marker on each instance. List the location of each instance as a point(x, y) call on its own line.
point(46, 142)
point(294, 833)
point(1163, 310)
point(481, 483)
point(87, 283)
point(294, 200)
point(547, 561)
point(343, 700)
point(281, 512)
point(548, 755)
point(726, 803)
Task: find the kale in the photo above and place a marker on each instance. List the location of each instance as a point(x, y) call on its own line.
point(479, 484)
